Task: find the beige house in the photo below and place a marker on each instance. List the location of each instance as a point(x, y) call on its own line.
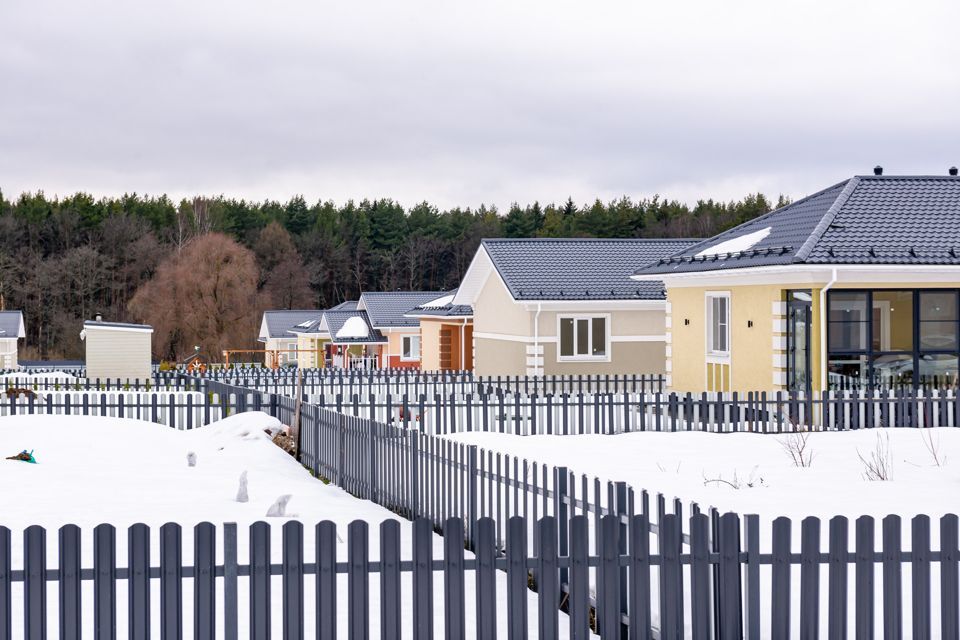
point(117, 350)
point(279, 344)
point(856, 286)
point(446, 334)
point(566, 306)
point(11, 330)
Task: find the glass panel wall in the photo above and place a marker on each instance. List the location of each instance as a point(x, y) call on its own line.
point(893, 338)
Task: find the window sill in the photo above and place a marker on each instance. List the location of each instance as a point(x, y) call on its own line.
point(584, 359)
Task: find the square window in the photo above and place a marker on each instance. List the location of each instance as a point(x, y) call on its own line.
point(583, 338)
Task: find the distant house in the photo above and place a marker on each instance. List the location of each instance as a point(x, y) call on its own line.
point(352, 342)
point(278, 342)
point(313, 343)
point(11, 330)
point(387, 313)
point(857, 285)
point(117, 350)
point(446, 334)
point(566, 306)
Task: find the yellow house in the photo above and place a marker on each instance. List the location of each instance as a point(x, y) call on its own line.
point(854, 286)
point(566, 306)
point(279, 342)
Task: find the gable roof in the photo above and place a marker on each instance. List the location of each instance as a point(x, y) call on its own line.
point(343, 328)
point(386, 309)
point(882, 220)
point(278, 323)
point(121, 326)
point(11, 325)
point(569, 268)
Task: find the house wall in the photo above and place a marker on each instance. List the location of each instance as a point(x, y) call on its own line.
point(282, 345)
point(637, 343)
point(501, 331)
point(118, 353)
point(432, 332)
point(758, 354)
point(307, 358)
point(430, 344)
point(394, 349)
point(8, 353)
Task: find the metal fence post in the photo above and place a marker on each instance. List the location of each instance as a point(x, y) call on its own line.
point(472, 494)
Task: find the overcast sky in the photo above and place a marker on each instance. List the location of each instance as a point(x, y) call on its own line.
point(462, 103)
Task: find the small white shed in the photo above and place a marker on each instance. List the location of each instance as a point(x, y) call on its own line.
point(117, 350)
point(11, 330)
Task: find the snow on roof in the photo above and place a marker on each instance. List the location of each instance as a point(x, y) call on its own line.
point(735, 245)
point(439, 302)
point(354, 327)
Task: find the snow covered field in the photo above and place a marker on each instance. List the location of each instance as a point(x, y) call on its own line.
point(93, 470)
point(701, 467)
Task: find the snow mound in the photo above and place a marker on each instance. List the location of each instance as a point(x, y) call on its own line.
point(354, 327)
point(735, 245)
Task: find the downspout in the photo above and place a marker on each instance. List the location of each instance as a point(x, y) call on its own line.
point(536, 335)
point(463, 345)
point(823, 329)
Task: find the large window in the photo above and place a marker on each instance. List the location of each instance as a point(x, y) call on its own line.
point(718, 323)
point(583, 337)
point(893, 337)
point(411, 348)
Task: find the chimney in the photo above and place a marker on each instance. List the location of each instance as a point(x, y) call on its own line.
point(953, 171)
point(99, 318)
point(878, 170)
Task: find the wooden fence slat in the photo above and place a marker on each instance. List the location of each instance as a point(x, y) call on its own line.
point(780, 580)
point(422, 579)
point(292, 571)
point(171, 585)
point(326, 587)
point(729, 576)
point(579, 601)
point(485, 552)
point(358, 580)
point(920, 576)
point(259, 581)
point(892, 579)
point(863, 596)
point(390, 580)
point(810, 578)
point(949, 577)
point(105, 582)
point(454, 596)
point(837, 579)
point(138, 581)
point(34, 583)
point(71, 613)
point(204, 581)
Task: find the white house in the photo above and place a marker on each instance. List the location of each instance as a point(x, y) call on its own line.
point(11, 330)
point(117, 350)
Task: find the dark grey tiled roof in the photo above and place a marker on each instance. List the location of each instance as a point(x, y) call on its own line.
point(387, 308)
point(336, 319)
point(279, 323)
point(115, 325)
point(579, 269)
point(863, 220)
point(10, 323)
point(348, 305)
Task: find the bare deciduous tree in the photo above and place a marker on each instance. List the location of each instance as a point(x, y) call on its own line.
point(878, 465)
point(206, 295)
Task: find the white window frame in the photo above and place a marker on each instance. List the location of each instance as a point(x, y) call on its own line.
point(585, 358)
point(710, 297)
point(403, 347)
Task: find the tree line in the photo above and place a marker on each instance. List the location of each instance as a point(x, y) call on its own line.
point(202, 270)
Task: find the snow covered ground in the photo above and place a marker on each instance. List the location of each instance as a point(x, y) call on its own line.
point(701, 467)
point(92, 470)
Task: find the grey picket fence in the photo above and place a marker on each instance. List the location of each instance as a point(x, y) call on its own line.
point(165, 381)
point(609, 413)
point(177, 409)
point(734, 591)
point(413, 383)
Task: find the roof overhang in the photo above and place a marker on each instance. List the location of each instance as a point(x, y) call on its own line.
point(806, 274)
point(473, 281)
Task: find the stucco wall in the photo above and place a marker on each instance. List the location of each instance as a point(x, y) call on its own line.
point(499, 357)
point(430, 344)
point(8, 353)
point(393, 350)
point(118, 353)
